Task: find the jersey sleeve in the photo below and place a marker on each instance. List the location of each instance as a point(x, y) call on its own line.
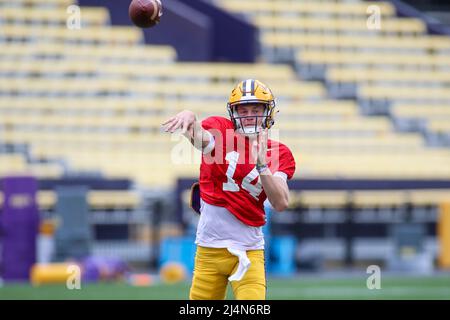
point(212, 123)
point(287, 162)
point(215, 127)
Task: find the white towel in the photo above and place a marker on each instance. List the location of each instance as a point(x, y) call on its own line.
point(244, 264)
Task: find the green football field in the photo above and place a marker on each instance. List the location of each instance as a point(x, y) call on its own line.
point(436, 287)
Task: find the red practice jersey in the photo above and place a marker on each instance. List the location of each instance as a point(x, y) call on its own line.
point(228, 176)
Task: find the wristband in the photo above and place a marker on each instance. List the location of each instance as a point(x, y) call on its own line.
point(261, 168)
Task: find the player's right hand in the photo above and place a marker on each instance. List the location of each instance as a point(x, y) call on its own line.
point(184, 120)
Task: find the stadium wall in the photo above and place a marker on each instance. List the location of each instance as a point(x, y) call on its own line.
point(235, 39)
point(406, 10)
point(199, 31)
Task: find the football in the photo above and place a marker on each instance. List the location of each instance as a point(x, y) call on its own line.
point(145, 13)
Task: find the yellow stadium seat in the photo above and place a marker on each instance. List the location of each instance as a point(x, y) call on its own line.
point(378, 91)
point(338, 25)
point(268, 7)
point(12, 164)
point(91, 16)
point(429, 197)
point(98, 199)
point(325, 198)
point(373, 42)
point(397, 60)
point(439, 125)
point(379, 198)
point(113, 35)
point(423, 111)
point(39, 3)
point(373, 75)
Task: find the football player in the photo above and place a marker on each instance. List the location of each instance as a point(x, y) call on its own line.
point(240, 169)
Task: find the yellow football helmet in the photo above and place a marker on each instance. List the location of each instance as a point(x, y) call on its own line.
point(255, 92)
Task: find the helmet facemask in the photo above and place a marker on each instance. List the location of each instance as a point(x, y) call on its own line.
point(261, 122)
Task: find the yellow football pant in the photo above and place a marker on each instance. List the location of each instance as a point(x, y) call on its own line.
point(212, 268)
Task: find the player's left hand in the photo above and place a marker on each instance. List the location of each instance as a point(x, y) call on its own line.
point(262, 147)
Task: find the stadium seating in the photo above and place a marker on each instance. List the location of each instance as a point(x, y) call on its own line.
point(12, 163)
point(67, 52)
point(90, 102)
point(292, 8)
point(394, 77)
point(37, 3)
point(97, 200)
point(331, 26)
point(105, 94)
point(367, 199)
point(94, 16)
point(389, 60)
